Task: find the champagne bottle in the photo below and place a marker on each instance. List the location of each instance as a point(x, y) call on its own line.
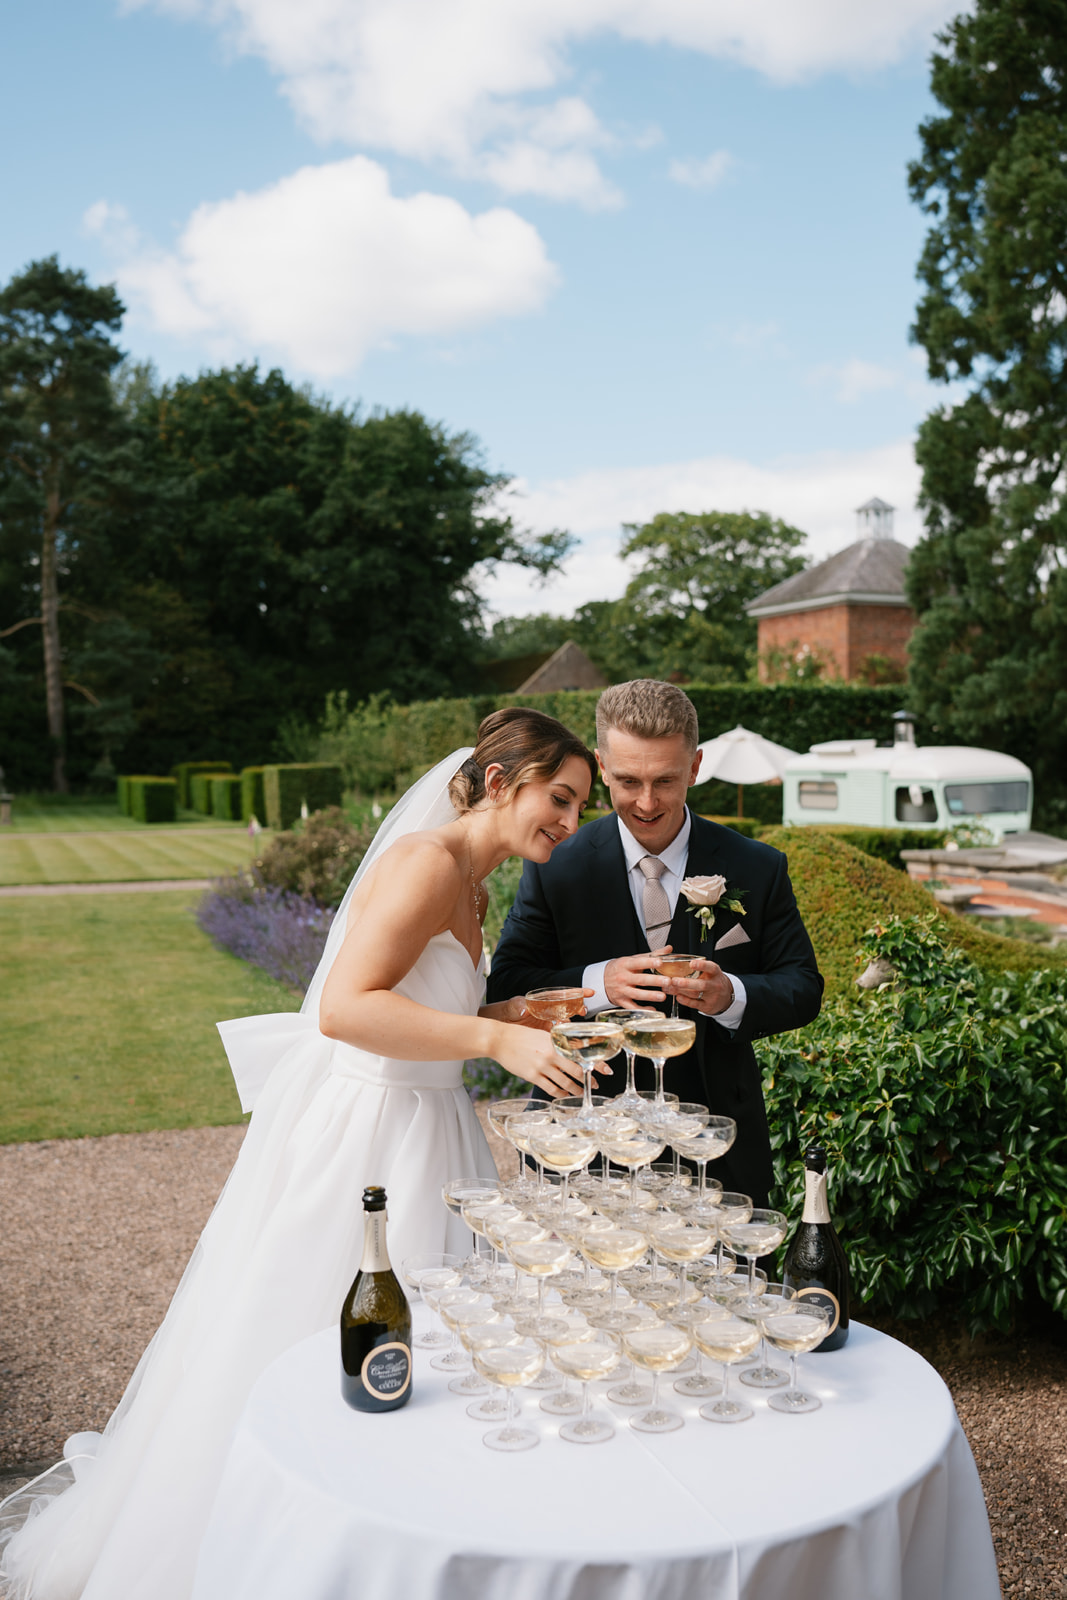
point(815, 1265)
point(375, 1322)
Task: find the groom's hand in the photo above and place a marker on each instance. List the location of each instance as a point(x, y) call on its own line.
point(628, 982)
point(709, 990)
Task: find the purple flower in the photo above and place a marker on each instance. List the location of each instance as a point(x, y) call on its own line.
point(272, 928)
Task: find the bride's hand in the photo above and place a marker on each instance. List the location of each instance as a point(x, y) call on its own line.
point(514, 1010)
point(527, 1052)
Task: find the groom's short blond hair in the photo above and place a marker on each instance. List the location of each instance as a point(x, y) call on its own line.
point(649, 709)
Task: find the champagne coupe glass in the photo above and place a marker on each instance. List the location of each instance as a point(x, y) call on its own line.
point(445, 1272)
point(630, 1099)
point(674, 1123)
point(733, 1207)
point(712, 1141)
point(681, 1242)
point(442, 1300)
point(510, 1365)
point(728, 1339)
point(541, 1259)
point(587, 1360)
point(454, 1194)
point(580, 1294)
point(659, 1037)
point(612, 1250)
point(639, 1150)
point(674, 966)
point(457, 1317)
point(589, 1045)
point(476, 1213)
point(483, 1336)
point(775, 1297)
point(561, 1402)
point(563, 1151)
point(555, 1005)
point(522, 1187)
point(699, 1385)
point(762, 1233)
point(510, 1300)
point(658, 1349)
point(798, 1329)
point(518, 1128)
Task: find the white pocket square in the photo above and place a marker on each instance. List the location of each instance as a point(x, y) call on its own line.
point(736, 935)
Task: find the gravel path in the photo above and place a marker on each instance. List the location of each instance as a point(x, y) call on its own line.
point(96, 1233)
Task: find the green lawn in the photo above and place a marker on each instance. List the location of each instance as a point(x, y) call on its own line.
point(107, 1016)
point(67, 814)
point(122, 857)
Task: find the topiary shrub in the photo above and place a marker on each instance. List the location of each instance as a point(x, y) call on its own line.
point(184, 772)
point(253, 800)
point(841, 892)
point(225, 795)
point(152, 799)
point(942, 1101)
point(318, 860)
point(200, 791)
point(885, 843)
point(286, 789)
point(122, 795)
point(746, 825)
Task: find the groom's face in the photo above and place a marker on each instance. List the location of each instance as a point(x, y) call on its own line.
point(648, 780)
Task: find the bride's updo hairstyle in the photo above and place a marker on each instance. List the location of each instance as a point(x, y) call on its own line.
point(529, 746)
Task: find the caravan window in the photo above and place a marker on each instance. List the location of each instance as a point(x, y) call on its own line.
point(818, 796)
point(916, 804)
point(978, 799)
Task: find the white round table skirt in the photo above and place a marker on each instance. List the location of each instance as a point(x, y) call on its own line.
point(874, 1497)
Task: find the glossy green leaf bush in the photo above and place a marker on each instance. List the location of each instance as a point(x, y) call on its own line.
point(941, 1099)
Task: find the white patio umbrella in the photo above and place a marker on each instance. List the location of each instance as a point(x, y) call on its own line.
point(741, 757)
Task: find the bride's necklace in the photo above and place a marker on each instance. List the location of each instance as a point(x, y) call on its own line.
point(474, 881)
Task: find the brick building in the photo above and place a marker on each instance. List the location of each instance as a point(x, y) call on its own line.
point(850, 611)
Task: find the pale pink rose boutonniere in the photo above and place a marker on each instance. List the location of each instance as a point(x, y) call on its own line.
point(704, 894)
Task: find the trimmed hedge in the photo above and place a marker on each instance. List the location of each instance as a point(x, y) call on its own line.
point(746, 825)
point(184, 771)
point(200, 790)
point(316, 784)
point(153, 799)
point(885, 843)
point(385, 746)
point(122, 795)
point(226, 798)
point(253, 799)
point(842, 892)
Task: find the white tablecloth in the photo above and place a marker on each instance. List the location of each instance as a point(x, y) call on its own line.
point(874, 1497)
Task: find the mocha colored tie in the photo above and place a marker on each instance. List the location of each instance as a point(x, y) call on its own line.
point(655, 906)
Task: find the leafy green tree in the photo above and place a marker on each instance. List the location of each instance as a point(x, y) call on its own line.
point(989, 658)
point(58, 424)
point(684, 609)
point(316, 551)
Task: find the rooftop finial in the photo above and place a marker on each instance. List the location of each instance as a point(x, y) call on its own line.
point(874, 519)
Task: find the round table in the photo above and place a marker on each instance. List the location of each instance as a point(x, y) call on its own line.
point(873, 1497)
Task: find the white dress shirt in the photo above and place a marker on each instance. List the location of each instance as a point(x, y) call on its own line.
point(674, 858)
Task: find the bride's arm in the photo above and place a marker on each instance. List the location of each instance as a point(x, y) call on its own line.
point(409, 902)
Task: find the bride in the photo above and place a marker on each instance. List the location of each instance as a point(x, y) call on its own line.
point(363, 1086)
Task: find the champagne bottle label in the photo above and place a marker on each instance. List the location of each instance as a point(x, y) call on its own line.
point(816, 1206)
point(823, 1297)
point(386, 1371)
point(375, 1254)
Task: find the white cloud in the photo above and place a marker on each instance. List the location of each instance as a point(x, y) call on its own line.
point(705, 174)
point(327, 263)
point(452, 80)
point(817, 492)
point(855, 379)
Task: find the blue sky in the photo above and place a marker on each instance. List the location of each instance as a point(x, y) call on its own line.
point(656, 254)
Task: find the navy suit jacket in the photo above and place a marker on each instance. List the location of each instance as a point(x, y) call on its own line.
point(577, 909)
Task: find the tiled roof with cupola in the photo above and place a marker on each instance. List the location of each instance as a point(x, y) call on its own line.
point(869, 572)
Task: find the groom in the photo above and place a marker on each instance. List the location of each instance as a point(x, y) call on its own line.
point(611, 893)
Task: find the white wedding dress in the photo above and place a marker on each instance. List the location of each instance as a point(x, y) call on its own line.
point(123, 1519)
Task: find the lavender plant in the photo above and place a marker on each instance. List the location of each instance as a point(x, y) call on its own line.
point(282, 932)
